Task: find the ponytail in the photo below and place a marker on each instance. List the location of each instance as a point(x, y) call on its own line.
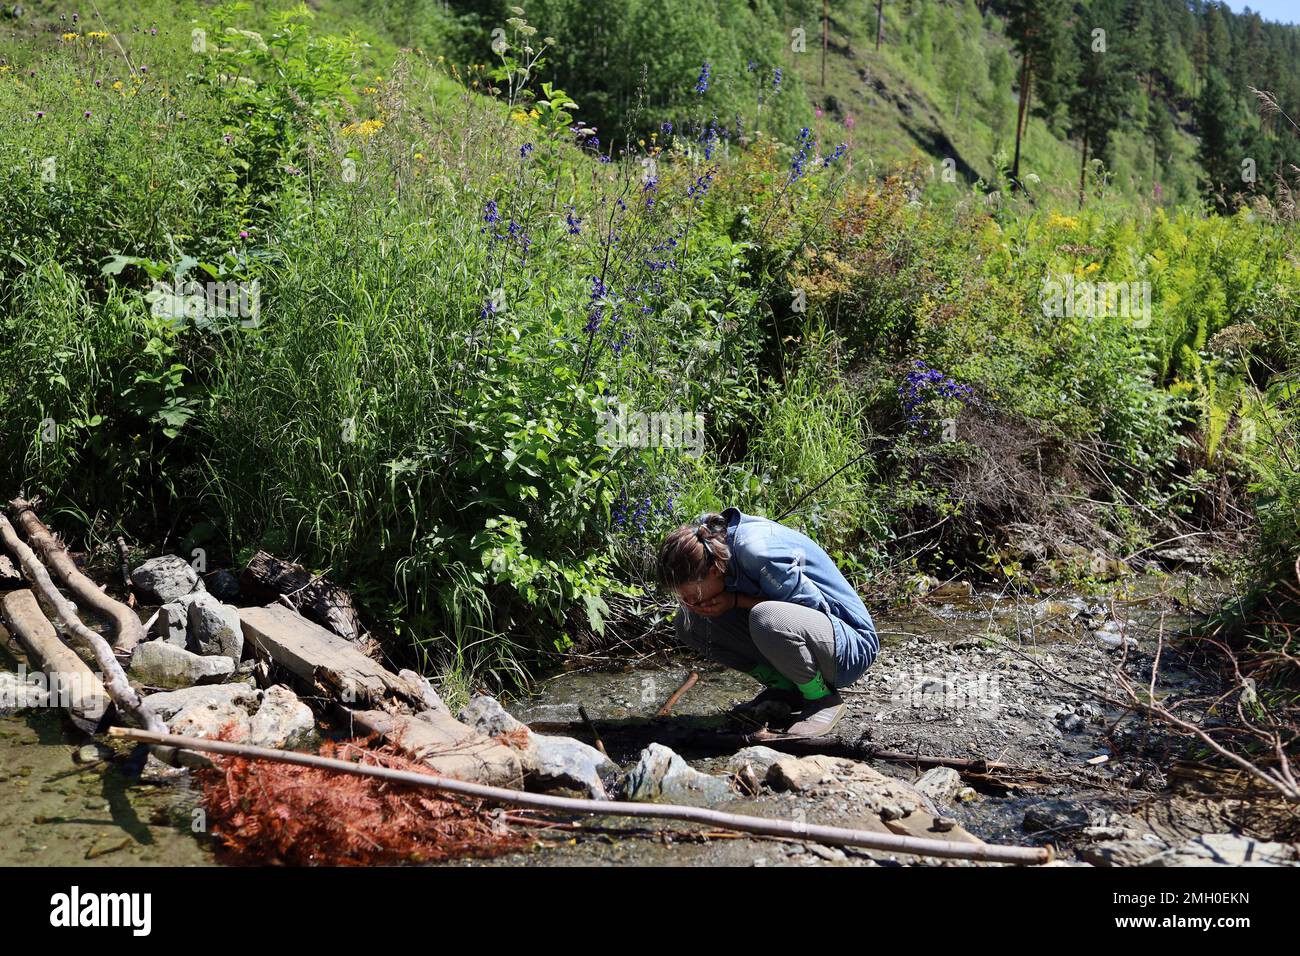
point(689, 553)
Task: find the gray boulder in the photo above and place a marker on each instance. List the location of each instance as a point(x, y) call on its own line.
point(283, 721)
point(163, 580)
point(660, 774)
point(214, 627)
point(1056, 816)
point(159, 664)
point(565, 762)
point(167, 704)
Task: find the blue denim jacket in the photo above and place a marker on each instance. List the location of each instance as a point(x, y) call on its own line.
point(772, 561)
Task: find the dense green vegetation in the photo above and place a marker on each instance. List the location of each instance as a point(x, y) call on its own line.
point(454, 291)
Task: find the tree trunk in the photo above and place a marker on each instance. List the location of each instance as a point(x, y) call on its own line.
point(1020, 114)
point(880, 16)
point(1083, 170)
point(826, 35)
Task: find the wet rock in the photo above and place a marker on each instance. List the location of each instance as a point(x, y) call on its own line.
point(1071, 723)
point(163, 580)
point(940, 784)
point(214, 627)
point(759, 758)
point(159, 664)
point(222, 585)
point(1056, 816)
point(91, 753)
point(1111, 635)
point(212, 720)
point(1226, 849)
point(661, 774)
point(17, 694)
point(168, 704)
point(283, 721)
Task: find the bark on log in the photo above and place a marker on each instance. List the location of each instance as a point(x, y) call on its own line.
point(72, 683)
point(119, 688)
point(267, 578)
point(126, 625)
point(815, 833)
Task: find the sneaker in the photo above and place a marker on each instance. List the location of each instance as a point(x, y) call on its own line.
point(771, 704)
point(817, 717)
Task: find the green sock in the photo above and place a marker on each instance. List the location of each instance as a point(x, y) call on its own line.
point(815, 689)
point(769, 676)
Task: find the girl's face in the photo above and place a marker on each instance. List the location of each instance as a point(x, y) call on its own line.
point(705, 596)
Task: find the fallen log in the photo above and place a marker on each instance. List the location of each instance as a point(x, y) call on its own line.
point(126, 625)
point(128, 702)
point(815, 833)
point(72, 683)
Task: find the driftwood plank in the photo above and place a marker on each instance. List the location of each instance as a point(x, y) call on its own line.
point(72, 683)
point(320, 657)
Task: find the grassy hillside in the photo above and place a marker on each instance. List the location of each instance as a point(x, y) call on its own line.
point(457, 296)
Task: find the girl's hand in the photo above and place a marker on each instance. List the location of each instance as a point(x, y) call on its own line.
point(720, 603)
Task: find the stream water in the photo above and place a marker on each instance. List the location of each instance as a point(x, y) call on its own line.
point(963, 675)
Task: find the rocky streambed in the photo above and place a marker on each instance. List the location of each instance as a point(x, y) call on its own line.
point(1030, 685)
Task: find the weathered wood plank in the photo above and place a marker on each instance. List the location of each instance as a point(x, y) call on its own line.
point(320, 657)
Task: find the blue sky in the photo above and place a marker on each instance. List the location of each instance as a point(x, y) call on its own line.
point(1283, 11)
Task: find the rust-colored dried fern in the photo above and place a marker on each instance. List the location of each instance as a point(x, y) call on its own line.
point(264, 812)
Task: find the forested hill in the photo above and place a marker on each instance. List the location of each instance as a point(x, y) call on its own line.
point(1150, 97)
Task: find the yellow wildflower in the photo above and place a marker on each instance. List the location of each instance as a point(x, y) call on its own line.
point(364, 129)
point(1063, 222)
